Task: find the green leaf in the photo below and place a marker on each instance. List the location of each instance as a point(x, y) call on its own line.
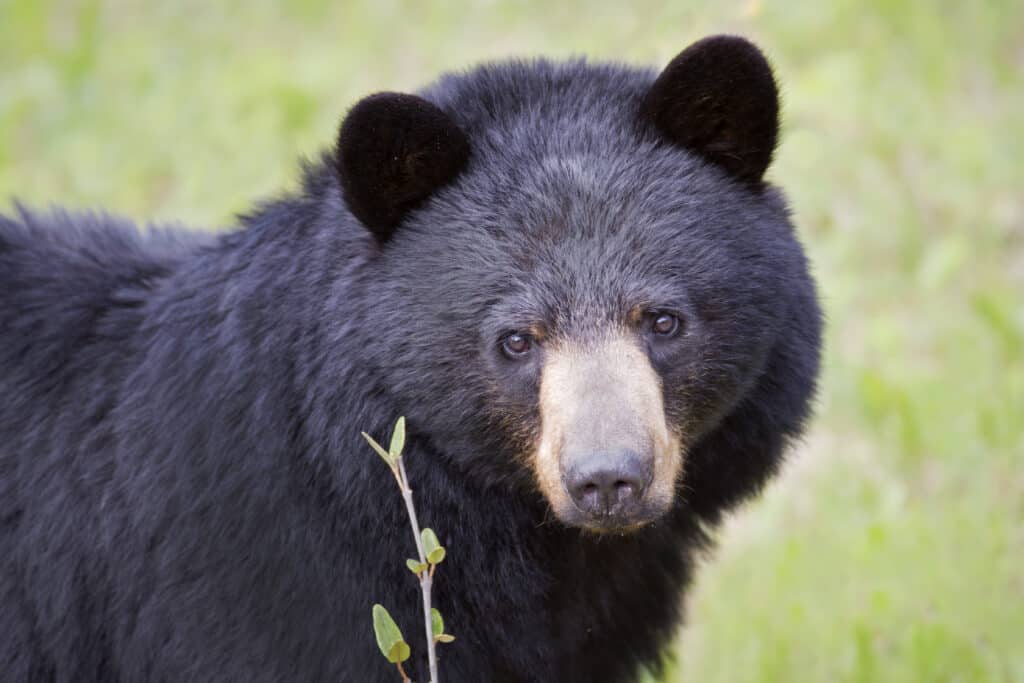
point(398, 439)
point(437, 627)
point(392, 463)
point(430, 541)
point(399, 652)
point(389, 636)
point(434, 551)
point(415, 566)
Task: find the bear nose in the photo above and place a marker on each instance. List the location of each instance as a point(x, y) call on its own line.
point(608, 484)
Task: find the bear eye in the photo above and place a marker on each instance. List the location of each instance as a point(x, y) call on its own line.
point(664, 324)
point(516, 345)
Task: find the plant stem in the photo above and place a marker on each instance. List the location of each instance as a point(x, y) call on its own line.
point(401, 671)
point(426, 577)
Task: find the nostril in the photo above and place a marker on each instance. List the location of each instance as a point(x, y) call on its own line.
point(608, 485)
point(589, 497)
point(625, 491)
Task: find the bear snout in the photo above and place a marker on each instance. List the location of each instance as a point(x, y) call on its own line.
point(606, 459)
point(608, 487)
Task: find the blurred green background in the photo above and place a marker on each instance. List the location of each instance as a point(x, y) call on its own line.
point(892, 549)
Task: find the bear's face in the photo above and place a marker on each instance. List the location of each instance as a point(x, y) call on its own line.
point(586, 263)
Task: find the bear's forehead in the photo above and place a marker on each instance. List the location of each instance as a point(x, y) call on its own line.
point(568, 203)
point(561, 145)
point(631, 204)
point(535, 94)
point(610, 222)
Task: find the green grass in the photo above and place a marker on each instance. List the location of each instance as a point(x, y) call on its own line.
point(892, 549)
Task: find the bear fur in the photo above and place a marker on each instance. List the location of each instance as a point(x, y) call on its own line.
point(184, 492)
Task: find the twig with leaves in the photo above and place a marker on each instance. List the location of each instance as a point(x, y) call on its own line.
point(431, 553)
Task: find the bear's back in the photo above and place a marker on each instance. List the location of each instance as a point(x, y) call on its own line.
point(69, 283)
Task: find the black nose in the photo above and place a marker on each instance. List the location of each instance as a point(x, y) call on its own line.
point(608, 484)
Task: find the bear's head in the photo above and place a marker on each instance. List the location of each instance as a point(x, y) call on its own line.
point(575, 272)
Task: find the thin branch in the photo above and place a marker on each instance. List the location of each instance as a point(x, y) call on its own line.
point(426, 577)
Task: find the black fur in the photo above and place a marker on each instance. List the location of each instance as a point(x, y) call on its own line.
point(718, 98)
point(184, 494)
point(394, 151)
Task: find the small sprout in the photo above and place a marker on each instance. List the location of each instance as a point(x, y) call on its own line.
point(433, 549)
point(394, 453)
point(389, 636)
point(431, 553)
point(437, 627)
point(397, 439)
point(436, 622)
point(416, 567)
point(392, 462)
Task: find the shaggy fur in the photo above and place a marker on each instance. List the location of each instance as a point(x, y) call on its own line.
point(184, 494)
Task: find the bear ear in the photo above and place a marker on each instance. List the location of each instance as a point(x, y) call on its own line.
point(394, 151)
point(718, 98)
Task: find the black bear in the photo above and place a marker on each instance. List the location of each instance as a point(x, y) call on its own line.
point(573, 280)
